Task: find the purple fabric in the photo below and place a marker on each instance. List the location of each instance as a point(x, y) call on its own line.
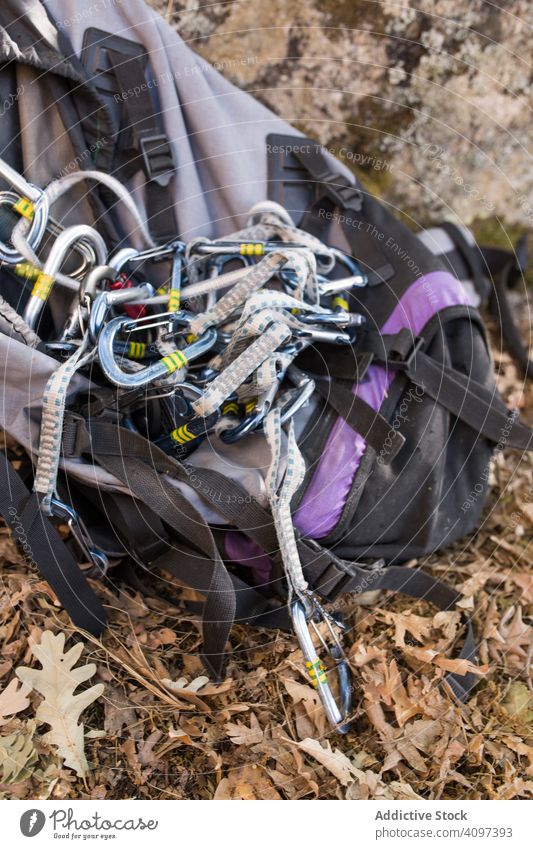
point(323, 502)
point(247, 552)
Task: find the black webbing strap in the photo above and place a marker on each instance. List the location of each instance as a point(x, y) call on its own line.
point(251, 607)
point(141, 465)
point(44, 548)
point(334, 361)
point(501, 311)
point(103, 440)
point(471, 402)
point(373, 427)
point(327, 573)
point(145, 537)
point(341, 193)
point(210, 574)
point(342, 577)
point(151, 151)
point(119, 451)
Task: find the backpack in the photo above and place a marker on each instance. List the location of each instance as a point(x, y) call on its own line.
point(392, 432)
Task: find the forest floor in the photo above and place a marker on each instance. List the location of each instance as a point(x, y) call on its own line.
point(155, 728)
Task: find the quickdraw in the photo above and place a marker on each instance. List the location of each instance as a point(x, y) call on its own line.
point(316, 669)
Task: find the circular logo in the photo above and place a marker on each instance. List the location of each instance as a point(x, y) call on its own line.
point(32, 822)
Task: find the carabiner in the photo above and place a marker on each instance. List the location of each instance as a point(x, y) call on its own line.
point(214, 269)
point(304, 389)
point(157, 253)
point(103, 303)
point(339, 318)
point(95, 556)
point(314, 334)
point(93, 278)
point(188, 429)
point(248, 424)
point(32, 202)
point(258, 249)
point(316, 669)
point(256, 411)
point(344, 284)
point(58, 253)
point(86, 295)
point(163, 368)
point(255, 418)
point(351, 264)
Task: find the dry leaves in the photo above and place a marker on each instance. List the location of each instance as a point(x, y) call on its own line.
point(17, 756)
point(61, 707)
point(247, 783)
point(332, 759)
point(242, 735)
point(13, 699)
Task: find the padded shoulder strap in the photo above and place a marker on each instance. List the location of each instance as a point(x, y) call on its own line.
point(150, 151)
point(327, 190)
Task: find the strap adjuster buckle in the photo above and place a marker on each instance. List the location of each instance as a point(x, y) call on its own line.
point(76, 439)
point(341, 190)
point(158, 160)
point(403, 360)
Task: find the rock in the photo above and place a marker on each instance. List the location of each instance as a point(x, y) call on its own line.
point(426, 102)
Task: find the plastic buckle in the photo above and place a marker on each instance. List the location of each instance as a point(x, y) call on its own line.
point(157, 157)
point(405, 363)
point(341, 577)
point(341, 190)
point(76, 439)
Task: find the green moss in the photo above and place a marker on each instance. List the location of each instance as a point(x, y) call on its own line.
point(375, 181)
point(376, 119)
point(496, 232)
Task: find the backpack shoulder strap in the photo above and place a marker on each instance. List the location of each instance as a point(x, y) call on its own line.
point(45, 548)
point(494, 271)
point(474, 403)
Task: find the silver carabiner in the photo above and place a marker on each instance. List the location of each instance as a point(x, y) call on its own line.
point(66, 513)
point(316, 669)
point(163, 368)
point(338, 319)
point(159, 252)
point(58, 253)
point(38, 210)
point(302, 393)
point(344, 284)
point(315, 334)
point(103, 303)
point(258, 249)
